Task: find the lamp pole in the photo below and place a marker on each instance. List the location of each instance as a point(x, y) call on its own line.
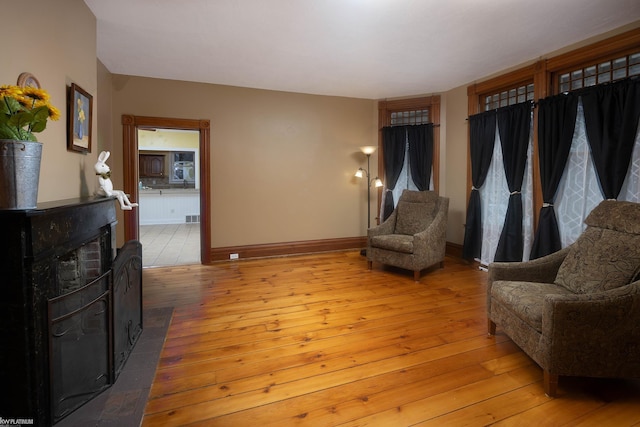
point(368, 150)
point(368, 193)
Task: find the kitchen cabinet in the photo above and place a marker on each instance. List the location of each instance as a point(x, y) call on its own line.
point(151, 165)
point(170, 206)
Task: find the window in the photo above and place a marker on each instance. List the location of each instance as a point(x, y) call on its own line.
point(182, 167)
point(601, 72)
point(414, 117)
point(509, 96)
point(579, 191)
point(605, 61)
point(412, 111)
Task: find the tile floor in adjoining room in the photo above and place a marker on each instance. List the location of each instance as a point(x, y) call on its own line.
point(170, 244)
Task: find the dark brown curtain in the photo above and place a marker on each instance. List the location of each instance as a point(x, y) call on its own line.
point(482, 128)
point(514, 125)
point(556, 124)
point(394, 139)
point(420, 139)
point(611, 114)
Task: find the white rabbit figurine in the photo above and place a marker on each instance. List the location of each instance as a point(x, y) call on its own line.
point(106, 186)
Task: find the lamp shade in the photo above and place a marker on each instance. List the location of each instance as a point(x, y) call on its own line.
point(368, 149)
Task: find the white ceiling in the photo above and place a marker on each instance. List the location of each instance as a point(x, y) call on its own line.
point(357, 48)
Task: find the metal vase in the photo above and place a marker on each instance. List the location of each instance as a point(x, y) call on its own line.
point(19, 174)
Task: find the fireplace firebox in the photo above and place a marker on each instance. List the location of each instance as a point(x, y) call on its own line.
point(71, 307)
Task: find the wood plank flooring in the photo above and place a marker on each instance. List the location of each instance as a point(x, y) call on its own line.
point(318, 340)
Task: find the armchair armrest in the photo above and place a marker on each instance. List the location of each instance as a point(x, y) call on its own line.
point(604, 326)
point(386, 227)
point(433, 238)
point(541, 270)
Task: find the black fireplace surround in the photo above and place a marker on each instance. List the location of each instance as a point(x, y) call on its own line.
point(70, 307)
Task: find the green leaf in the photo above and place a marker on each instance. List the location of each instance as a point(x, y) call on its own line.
point(20, 123)
point(39, 119)
point(10, 105)
point(9, 132)
point(21, 119)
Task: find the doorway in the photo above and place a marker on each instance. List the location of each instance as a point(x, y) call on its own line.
point(130, 126)
point(168, 190)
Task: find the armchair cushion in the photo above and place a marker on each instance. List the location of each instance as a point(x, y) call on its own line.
point(394, 242)
point(614, 215)
point(525, 299)
point(601, 259)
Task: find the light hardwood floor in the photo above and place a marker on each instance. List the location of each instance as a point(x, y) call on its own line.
point(318, 340)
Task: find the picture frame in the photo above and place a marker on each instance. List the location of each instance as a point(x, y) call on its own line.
point(79, 128)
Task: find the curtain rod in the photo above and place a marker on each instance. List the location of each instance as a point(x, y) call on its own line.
point(534, 104)
point(434, 125)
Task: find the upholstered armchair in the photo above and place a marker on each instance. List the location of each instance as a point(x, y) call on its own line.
point(413, 237)
point(576, 312)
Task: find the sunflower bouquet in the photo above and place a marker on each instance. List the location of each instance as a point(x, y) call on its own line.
point(24, 111)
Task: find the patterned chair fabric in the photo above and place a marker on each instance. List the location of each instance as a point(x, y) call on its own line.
point(576, 312)
point(414, 235)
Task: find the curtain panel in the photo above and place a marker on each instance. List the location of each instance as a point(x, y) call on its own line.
point(514, 125)
point(393, 148)
point(395, 140)
point(556, 124)
point(588, 150)
point(611, 114)
point(482, 128)
point(420, 139)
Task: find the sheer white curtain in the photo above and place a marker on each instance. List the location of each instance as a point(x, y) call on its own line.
point(631, 187)
point(494, 198)
point(579, 190)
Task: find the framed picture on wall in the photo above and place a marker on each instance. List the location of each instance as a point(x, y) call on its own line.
point(80, 105)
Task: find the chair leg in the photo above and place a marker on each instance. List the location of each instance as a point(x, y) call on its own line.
point(416, 275)
point(550, 383)
point(441, 264)
point(491, 327)
point(369, 265)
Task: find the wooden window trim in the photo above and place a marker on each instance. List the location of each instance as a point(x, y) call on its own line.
point(482, 98)
point(616, 45)
point(477, 91)
point(597, 60)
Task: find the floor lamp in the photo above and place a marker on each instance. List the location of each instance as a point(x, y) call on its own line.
point(368, 150)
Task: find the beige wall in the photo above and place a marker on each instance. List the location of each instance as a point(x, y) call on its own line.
point(282, 163)
point(56, 42)
point(162, 140)
point(454, 163)
point(104, 110)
